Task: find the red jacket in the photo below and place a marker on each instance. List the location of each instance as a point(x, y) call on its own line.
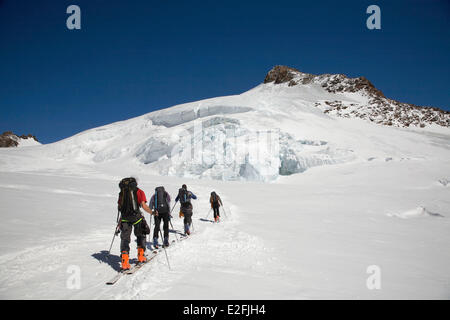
point(140, 197)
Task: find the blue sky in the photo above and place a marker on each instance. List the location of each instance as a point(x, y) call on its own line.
point(132, 57)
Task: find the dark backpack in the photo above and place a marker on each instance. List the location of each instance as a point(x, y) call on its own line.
point(161, 204)
point(183, 196)
point(215, 199)
point(128, 203)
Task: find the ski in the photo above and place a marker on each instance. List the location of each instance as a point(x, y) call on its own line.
point(172, 243)
point(161, 247)
point(139, 265)
point(132, 270)
point(115, 278)
point(185, 236)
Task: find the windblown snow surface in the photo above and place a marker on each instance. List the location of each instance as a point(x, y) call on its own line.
point(313, 204)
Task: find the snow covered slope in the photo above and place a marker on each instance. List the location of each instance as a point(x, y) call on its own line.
point(272, 130)
point(313, 200)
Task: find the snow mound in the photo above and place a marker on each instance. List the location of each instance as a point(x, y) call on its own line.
point(419, 212)
point(27, 142)
point(298, 155)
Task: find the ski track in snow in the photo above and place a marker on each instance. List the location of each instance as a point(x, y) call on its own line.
point(219, 247)
point(419, 212)
point(41, 271)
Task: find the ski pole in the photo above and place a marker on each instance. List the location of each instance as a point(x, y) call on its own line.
point(114, 236)
point(173, 207)
point(208, 213)
point(223, 209)
point(164, 247)
point(170, 221)
point(116, 232)
point(171, 225)
point(150, 226)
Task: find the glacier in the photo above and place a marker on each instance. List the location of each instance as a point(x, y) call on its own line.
point(259, 135)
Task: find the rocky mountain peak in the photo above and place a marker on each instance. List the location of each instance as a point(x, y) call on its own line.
point(282, 74)
point(9, 139)
point(378, 109)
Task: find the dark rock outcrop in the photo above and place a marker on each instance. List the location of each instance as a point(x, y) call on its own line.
point(9, 139)
point(281, 74)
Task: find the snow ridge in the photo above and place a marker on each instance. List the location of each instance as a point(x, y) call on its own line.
point(377, 108)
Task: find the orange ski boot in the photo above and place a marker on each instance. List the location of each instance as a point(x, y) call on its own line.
point(141, 256)
point(125, 262)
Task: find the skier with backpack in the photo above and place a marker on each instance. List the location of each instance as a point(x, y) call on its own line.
point(185, 196)
point(160, 205)
point(216, 202)
point(131, 199)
